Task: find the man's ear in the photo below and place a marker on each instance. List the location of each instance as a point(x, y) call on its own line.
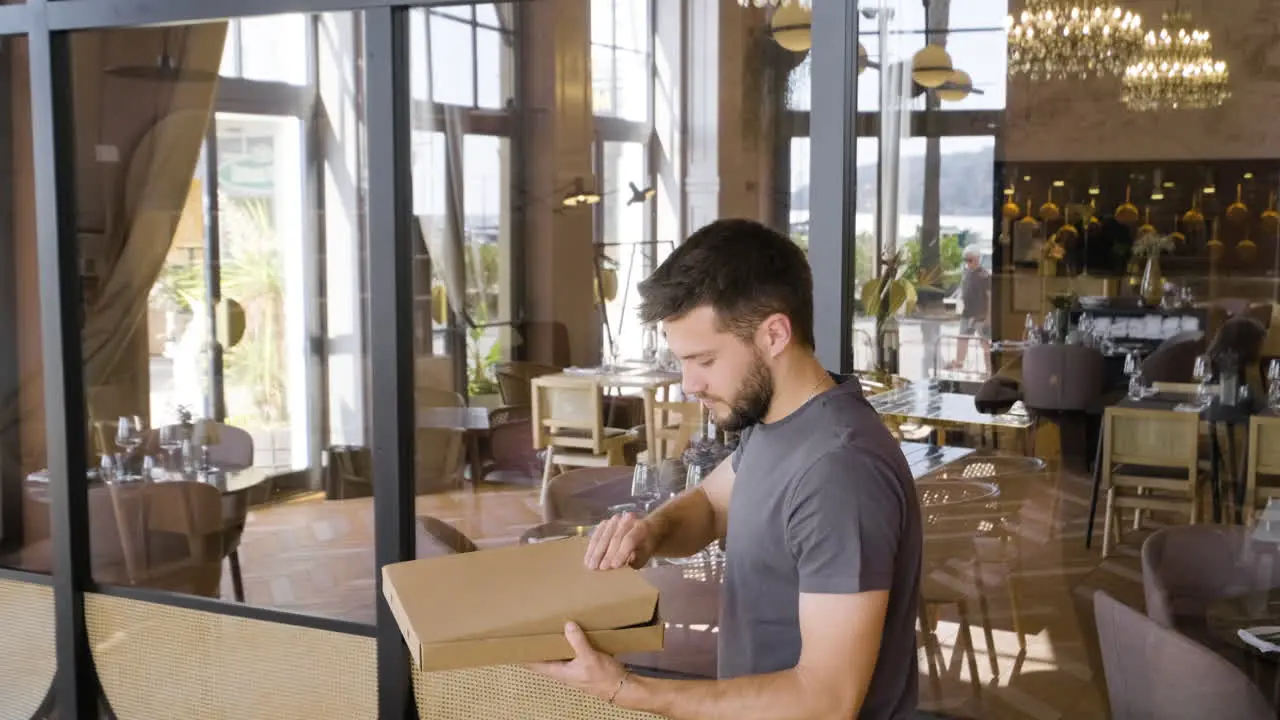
point(774, 334)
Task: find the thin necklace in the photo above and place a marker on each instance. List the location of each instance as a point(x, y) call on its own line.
point(813, 392)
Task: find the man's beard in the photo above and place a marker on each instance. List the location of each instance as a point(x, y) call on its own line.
point(751, 403)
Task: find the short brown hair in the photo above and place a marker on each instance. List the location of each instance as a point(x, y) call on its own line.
point(744, 270)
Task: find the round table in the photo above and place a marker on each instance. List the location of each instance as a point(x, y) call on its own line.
point(1227, 616)
point(555, 531)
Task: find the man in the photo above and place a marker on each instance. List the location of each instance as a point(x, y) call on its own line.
point(975, 296)
point(817, 505)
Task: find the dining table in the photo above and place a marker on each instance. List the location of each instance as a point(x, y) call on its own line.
point(928, 404)
point(472, 421)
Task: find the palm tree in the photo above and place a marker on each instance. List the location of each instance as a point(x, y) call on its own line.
point(252, 276)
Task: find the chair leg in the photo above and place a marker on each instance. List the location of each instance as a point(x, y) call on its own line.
point(1012, 589)
point(970, 653)
point(546, 475)
point(237, 581)
point(985, 609)
point(1108, 519)
point(931, 650)
point(1137, 512)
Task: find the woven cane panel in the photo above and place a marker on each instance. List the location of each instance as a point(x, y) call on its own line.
point(157, 661)
point(507, 692)
point(26, 647)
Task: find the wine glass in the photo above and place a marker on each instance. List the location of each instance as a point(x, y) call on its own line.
point(1086, 329)
point(1131, 365)
point(644, 485)
point(170, 441)
point(1133, 368)
point(1273, 384)
point(107, 468)
point(127, 438)
point(692, 476)
point(650, 345)
point(1203, 374)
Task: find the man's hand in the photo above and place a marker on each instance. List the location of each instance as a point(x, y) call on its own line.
point(619, 541)
point(590, 671)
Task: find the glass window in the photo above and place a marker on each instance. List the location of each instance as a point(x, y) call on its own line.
point(624, 251)
point(452, 49)
point(260, 206)
point(620, 59)
point(486, 252)
point(271, 48)
point(470, 55)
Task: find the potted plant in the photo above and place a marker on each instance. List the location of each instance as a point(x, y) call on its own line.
point(889, 294)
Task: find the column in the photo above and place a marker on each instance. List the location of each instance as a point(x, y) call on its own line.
point(555, 73)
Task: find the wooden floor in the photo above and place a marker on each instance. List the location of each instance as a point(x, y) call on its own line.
point(315, 556)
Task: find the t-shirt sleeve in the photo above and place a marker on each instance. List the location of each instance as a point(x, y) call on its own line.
point(844, 524)
point(735, 458)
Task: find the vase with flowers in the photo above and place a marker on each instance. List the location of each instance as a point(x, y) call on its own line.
point(1051, 254)
point(1148, 248)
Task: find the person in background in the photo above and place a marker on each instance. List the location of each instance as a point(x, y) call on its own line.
point(817, 505)
point(975, 297)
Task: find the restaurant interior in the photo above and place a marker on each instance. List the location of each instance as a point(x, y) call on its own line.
point(364, 274)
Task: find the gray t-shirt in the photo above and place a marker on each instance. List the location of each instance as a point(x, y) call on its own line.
point(974, 287)
point(823, 502)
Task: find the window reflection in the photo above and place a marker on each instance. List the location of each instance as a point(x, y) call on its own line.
point(271, 48)
point(469, 52)
point(620, 65)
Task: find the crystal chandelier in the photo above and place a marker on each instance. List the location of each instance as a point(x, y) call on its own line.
point(806, 4)
point(1083, 39)
point(1176, 70)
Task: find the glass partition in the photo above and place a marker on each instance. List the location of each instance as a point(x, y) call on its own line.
point(1069, 205)
point(224, 316)
point(25, 531)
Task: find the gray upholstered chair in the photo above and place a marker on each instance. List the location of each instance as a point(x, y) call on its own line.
point(1154, 672)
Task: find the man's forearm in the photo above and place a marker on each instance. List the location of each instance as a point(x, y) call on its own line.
point(776, 696)
point(684, 525)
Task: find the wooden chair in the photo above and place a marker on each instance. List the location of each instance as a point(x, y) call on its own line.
point(1150, 461)
point(428, 397)
point(438, 460)
point(674, 425)
point(568, 421)
point(1262, 463)
point(514, 377)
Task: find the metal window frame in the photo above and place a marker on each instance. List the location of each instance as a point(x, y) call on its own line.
point(833, 179)
point(385, 37)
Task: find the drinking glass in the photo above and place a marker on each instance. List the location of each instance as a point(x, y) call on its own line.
point(1273, 384)
point(650, 345)
point(107, 468)
point(1051, 326)
point(127, 436)
point(1202, 373)
point(1085, 329)
point(170, 441)
point(692, 476)
point(644, 485)
point(1131, 364)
